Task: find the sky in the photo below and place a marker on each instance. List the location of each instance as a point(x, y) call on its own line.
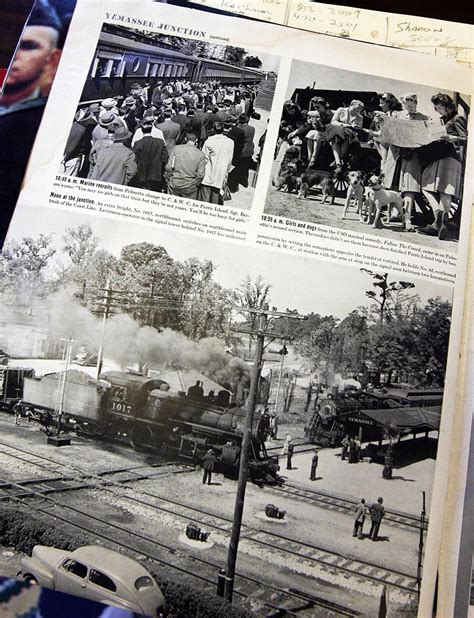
point(305, 74)
point(305, 284)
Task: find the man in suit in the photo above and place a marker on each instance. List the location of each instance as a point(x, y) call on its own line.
point(208, 463)
point(314, 465)
point(377, 512)
point(359, 519)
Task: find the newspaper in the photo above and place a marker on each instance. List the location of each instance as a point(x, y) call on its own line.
point(209, 228)
point(410, 133)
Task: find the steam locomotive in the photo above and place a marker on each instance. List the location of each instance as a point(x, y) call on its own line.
point(342, 413)
point(142, 412)
point(124, 57)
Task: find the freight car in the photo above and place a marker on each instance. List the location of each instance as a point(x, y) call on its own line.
point(142, 412)
point(340, 414)
point(124, 57)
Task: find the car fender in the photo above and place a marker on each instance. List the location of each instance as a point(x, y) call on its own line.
point(44, 577)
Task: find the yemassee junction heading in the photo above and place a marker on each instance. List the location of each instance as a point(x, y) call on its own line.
point(143, 499)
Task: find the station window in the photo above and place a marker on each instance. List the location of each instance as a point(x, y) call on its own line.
point(74, 567)
point(102, 580)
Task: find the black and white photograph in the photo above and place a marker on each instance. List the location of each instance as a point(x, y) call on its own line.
point(372, 155)
point(132, 362)
point(173, 115)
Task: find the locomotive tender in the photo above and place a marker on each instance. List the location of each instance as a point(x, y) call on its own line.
point(141, 411)
point(124, 57)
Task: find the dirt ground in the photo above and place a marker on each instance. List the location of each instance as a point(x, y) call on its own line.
point(311, 209)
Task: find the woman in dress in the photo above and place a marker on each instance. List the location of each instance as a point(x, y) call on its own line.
point(441, 177)
point(410, 164)
point(319, 118)
point(389, 106)
point(340, 133)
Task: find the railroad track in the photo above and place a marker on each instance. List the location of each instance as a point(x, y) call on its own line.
point(344, 505)
point(205, 571)
point(361, 570)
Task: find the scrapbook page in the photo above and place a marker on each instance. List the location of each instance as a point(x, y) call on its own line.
point(232, 309)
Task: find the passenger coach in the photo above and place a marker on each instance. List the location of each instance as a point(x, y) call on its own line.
point(123, 57)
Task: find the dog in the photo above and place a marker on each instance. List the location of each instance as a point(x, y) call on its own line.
point(290, 169)
point(355, 191)
point(317, 178)
point(378, 198)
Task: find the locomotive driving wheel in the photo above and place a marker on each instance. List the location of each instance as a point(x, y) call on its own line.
point(141, 437)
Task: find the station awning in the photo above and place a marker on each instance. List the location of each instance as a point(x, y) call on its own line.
point(405, 419)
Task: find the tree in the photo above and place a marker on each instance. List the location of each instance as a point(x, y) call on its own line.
point(385, 290)
point(80, 244)
point(252, 61)
point(22, 267)
point(234, 55)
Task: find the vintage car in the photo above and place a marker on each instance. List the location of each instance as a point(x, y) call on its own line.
point(96, 573)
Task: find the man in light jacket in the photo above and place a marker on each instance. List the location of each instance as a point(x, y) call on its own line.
point(116, 164)
point(219, 150)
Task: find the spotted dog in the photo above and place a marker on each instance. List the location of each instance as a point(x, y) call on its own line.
point(355, 192)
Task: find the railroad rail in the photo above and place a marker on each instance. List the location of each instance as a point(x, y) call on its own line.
point(343, 505)
point(361, 570)
point(145, 546)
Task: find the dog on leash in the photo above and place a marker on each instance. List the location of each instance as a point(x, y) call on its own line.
point(355, 193)
point(317, 178)
point(378, 197)
point(290, 169)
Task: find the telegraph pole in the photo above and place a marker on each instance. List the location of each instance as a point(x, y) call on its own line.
point(105, 315)
point(260, 334)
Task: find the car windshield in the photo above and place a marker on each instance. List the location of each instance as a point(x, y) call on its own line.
point(143, 582)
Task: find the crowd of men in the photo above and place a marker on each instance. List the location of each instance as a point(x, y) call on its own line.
point(192, 140)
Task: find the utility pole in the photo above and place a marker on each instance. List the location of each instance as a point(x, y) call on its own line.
point(260, 333)
point(421, 543)
point(283, 353)
point(105, 315)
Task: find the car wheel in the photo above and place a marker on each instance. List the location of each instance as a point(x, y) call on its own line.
point(30, 579)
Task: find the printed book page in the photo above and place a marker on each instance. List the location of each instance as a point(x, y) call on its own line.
point(421, 34)
point(219, 286)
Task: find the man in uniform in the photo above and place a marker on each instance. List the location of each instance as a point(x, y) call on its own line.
point(314, 465)
point(208, 463)
point(23, 100)
point(345, 445)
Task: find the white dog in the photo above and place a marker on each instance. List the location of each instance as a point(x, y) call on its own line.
point(379, 197)
point(355, 191)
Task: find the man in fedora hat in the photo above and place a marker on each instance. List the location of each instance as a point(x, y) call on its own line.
point(108, 105)
point(116, 164)
point(78, 146)
point(105, 122)
point(208, 463)
point(151, 156)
